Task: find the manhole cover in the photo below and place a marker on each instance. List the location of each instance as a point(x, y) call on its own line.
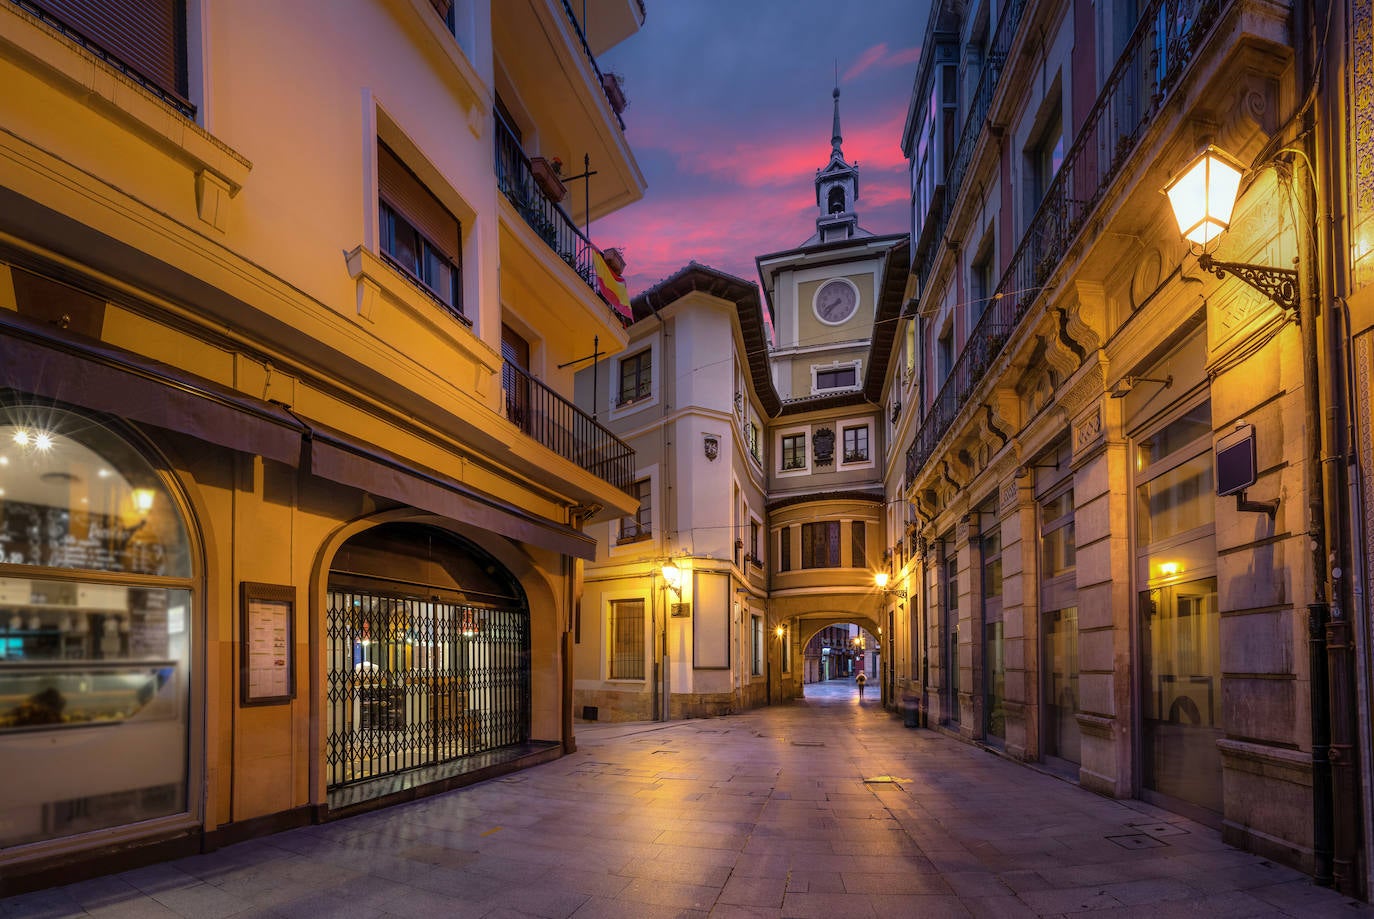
point(1137, 841)
point(1160, 829)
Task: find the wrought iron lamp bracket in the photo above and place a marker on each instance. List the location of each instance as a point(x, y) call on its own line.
point(1278, 284)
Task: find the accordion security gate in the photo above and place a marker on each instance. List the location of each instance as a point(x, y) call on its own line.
point(415, 682)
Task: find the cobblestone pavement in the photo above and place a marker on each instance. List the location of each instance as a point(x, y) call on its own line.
point(822, 808)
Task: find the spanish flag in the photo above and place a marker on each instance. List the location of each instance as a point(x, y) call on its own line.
point(611, 286)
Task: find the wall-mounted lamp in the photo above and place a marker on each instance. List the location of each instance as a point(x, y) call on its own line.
point(1203, 196)
point(672, 576)
point(880, 580)
point(780, 631)
point(1124, 385)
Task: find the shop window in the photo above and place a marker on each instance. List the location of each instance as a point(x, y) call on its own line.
point(627, 640)
point(1175, 463)
point(78, 654)
point(640, 526)
point(636, 377)
point(1058, 553)
point(418, 234)
point(793, 452)
point(821, 544)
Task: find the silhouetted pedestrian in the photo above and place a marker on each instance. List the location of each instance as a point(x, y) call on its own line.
point(862, 681)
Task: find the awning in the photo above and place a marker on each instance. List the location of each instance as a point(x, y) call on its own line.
point(93, 375)
point(341, 459)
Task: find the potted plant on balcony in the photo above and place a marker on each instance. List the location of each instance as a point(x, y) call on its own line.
point(615, 260)
point(614, 85)
point(547, 175)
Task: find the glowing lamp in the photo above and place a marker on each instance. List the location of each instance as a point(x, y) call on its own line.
point(672, 576)
point(1204, 194)
point(143, 499)
point(881, 580)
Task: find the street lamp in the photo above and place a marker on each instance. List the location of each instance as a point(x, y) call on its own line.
point(672, 576)
point(880, 580)
point(1203, 196)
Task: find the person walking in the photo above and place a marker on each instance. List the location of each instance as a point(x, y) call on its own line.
point(862, 681)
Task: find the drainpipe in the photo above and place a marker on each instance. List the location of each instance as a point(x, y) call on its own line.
point(1322, 130)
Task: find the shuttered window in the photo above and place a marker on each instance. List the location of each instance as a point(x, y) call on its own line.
point(417, 231)
point(146, 38)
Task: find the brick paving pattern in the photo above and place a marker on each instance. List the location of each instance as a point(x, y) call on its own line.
point(822, 808)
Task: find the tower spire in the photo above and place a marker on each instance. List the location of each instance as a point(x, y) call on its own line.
point(835, 137)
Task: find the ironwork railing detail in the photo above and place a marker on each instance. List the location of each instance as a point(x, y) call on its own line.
point(553, 421)
point(1158, 52)
point(591, 58)
point(415, 682)
point(515, 179)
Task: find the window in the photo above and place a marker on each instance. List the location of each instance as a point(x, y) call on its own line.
point(418, 234)
point(754, 542)
point(858, 549)
point(821, 544)
point(837, 378)
point(627, 639)
point(835, 200)
point(944, 354)
point(1057, 550)
point(785, 549)
point(1176, 461)
point(793, 451)
point(110, 639)
point(981, 282)
point(145, 39)
point(756, 630)
point(640, 526)
point(1045, 156)
point(856, 444)
point(751, 435)
point(636, 377)
point(991, 549)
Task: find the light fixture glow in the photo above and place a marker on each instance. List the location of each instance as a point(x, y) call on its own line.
point(1204, 194)
point(780, 631)
point(672, 576)
point(42, 441)
point(4, 460)
point(21, 437)
point(143, 499)
point(1169, 569)
point(881, 579)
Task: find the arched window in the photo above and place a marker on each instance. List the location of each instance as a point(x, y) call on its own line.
point(95, 629)
point(836, 200)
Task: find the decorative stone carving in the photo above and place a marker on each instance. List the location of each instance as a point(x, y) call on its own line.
point(1145, 279)
point(711, 444)
point(823, 444)
point(1008, 496)
point(1088, 430)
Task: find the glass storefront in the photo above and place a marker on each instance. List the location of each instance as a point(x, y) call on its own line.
point(1179, 620)
point(1059, 626)
point(950, 583)
point(95, 630)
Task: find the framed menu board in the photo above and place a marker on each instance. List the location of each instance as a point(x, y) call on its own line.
point(267, 666)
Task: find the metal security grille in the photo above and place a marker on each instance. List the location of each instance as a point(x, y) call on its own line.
point(415, 682)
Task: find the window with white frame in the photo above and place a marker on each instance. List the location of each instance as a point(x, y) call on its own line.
point(751, 435)
point(835, 376)
point(793, 451)
point(855, 443)
point(418, 235)
point(640, 526)
point(626, 628)
point(636, 377)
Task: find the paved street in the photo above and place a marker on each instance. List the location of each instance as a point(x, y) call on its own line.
point(824, 808)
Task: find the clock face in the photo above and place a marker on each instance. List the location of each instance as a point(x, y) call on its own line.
point(836, 301)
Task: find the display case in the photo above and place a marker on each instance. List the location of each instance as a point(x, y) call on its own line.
point(43, 696)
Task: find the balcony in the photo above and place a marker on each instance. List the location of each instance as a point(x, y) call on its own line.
point(515, 178)
point(1160, 50)
point(549, 419)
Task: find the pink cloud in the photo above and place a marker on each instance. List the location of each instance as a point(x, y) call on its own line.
point(879, 56)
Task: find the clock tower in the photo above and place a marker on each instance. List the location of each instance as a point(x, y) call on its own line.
point(837, 190)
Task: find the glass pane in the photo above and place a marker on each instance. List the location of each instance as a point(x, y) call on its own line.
point(1175, 435)
point(1180, 691)
point(1057, 550)
point(1177, 501)
point(1062, 737)
point(994, 659)
point(74, 494)
point(90, 674)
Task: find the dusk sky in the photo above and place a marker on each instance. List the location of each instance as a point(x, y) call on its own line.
point(729, 117)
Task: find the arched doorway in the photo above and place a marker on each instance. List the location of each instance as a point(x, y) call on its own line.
point(97, 634)
point(428, 643)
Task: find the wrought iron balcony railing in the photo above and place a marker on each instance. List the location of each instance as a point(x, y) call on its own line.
point(586, 49)
point(549, 419)
point(1160, 49)
point(515, 179)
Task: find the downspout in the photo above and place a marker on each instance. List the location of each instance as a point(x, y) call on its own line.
point(1318, 609)
point(1339, 634)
